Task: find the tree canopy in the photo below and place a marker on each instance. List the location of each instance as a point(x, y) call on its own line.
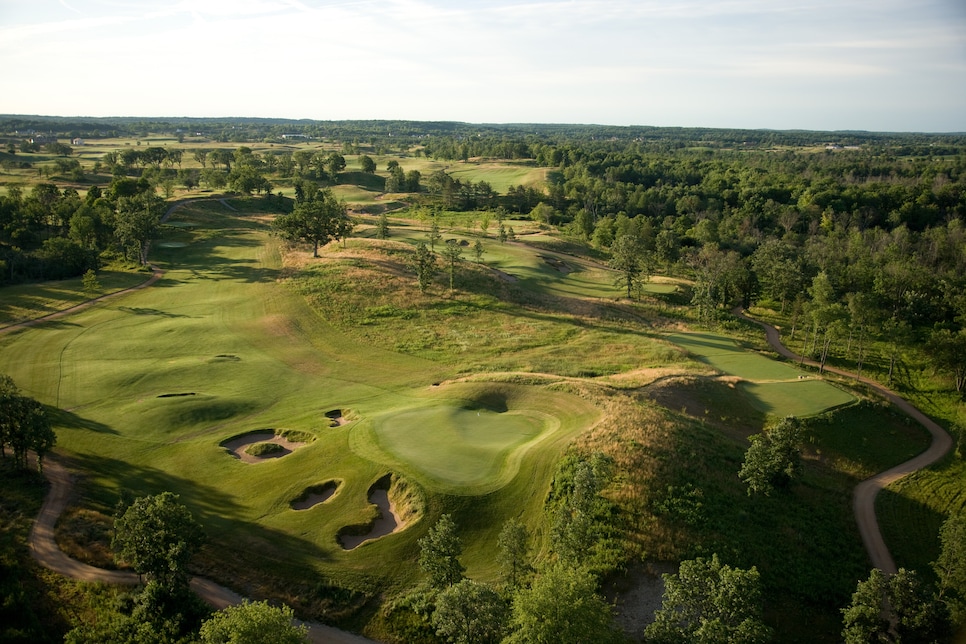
point(708, 602)
point(158, 536)
point(253, 623)
point(316, 220)
point(561, 607)
point(439, 554)
point(24, 426)
point(774, 457)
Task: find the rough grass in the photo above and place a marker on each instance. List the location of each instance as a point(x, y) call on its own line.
point(28, 301)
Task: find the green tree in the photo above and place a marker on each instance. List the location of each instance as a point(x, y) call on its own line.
point(478, 251)
point(709, 602)
point(948, 353)
point(627, 258)
point(24, 426)
point(774, 457)
point(896, 608)
point(382, 227)
point(423, 263)
point(158, 536)
point(319, 219)
point(137, 221)
point(367, 164)
point(950, 567)
point(778, 269)
point(434, 234)
point(469, 612)
point(561, 607)
point(439, 553)
point(253, 623)
point(514, 554)
point(92, 285)
point(452, 255)
point(542, 213)
point(335, 164)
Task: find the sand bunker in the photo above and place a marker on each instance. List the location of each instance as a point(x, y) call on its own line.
point(315, 495)
point(388, 522)
point(236, 446)
point(336, 417)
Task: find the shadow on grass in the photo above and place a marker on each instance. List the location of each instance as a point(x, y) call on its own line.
point(911, 530)
point(63, 418)
point(235, 547)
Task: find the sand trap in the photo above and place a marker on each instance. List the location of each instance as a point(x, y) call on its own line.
point(336, 418)
point(387, 523)
point(315, 495)
point(236, 446)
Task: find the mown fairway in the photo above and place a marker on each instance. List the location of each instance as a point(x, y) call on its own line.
point(151, 383)
point(776, 388)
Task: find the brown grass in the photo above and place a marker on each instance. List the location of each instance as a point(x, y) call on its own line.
point(85, 535)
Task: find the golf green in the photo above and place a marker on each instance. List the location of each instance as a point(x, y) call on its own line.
point(454, 444)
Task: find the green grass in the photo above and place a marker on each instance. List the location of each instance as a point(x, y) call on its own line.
point(776, 387)
point(470, 397)
point(27, 301)
point(144, 388)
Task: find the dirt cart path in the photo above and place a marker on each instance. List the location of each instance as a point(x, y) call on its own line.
point(863, 498)
point(43, 548)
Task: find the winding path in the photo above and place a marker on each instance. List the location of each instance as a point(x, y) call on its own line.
point(43, 548)
point(42, 541)
point(863, 498)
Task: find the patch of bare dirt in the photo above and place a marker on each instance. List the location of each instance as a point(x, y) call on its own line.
point(637, 596)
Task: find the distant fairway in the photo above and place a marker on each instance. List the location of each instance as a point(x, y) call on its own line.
point(776, 388)
point(457, 445)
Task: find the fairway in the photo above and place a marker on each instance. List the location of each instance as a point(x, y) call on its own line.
point(776, 388)
point(145, 390)
point(454, 444)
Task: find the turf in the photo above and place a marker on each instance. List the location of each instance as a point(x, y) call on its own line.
point(465, 446)
point(775, 388)
point(144, 388)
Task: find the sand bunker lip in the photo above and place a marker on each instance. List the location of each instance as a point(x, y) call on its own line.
point(336, 417)
point(315, 495)
point(236, 446)
point(351, 537)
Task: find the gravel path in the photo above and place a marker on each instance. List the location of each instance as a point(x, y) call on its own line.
point(43, 548)
point(863, 498)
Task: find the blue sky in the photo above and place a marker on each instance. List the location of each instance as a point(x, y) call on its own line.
point(881, 65)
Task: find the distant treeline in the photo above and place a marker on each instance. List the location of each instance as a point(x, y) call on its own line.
point(481, 139)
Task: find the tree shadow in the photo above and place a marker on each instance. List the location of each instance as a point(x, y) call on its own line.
point(64, 418)
point(235, 547)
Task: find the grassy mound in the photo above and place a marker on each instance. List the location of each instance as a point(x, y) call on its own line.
point(264, 450)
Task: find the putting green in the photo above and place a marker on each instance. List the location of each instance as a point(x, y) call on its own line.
point(775, 387)
point(455, 444)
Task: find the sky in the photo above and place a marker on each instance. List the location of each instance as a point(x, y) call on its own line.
point(877, 65)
